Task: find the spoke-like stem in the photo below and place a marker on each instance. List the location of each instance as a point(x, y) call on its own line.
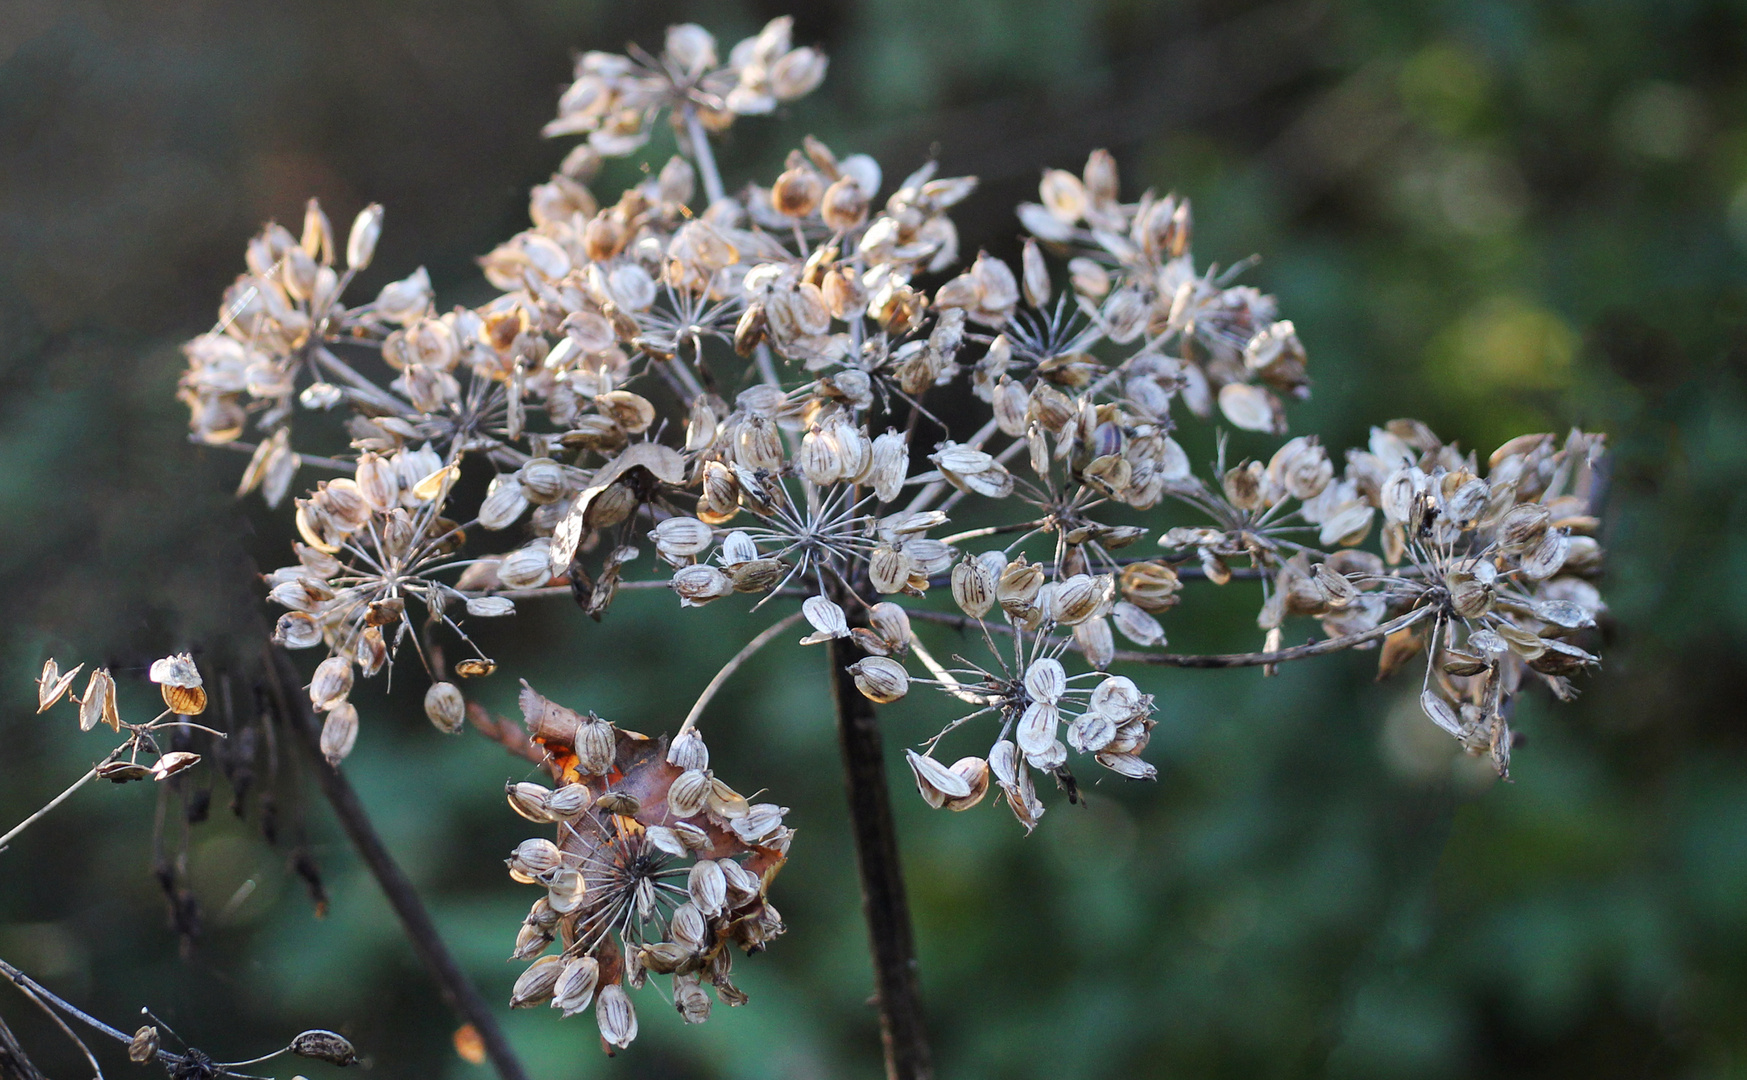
point(457, 990)
point(52, 803)
point(302, 459)
point(897, 987)
point(1208, 660)
point(702, 155)
point(733, 665)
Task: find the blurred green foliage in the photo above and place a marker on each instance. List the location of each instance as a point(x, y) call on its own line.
point(1493, 216)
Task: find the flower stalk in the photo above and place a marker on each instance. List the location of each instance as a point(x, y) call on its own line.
point(897, 983)
point(421, 931)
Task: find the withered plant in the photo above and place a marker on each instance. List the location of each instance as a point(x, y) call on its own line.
point(738, 394)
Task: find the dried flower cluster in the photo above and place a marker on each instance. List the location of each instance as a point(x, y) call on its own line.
point(732, 395)
point(657, 868)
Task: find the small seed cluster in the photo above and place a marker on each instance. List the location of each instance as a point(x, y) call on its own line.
point(184, 694)
point(658, 868)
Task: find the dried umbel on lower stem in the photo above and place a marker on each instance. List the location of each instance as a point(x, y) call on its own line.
point(658, 868)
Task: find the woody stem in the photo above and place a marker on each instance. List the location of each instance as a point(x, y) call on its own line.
point(457, 990)
point(896, 983)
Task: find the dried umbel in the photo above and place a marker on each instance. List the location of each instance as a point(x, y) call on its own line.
point(657, 868)
point(735, 397)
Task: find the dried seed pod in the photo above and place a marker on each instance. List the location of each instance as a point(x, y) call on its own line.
point(759, 822)
point(51, 685)
point(179, 680)
point(826, 618)
point(544, 479)
point(796, 192)
point(593, 744)
point(707, 887)
point(1095, 642)
point(339, 732)
point(975, 772)
point(445, 707)
point(615, 1016)
point(1136, 625)
point(1037, 727)
point(328, 1046)
point(529, 800)
point(1045, 680)
point(699, 584)
point(935, 781)
point(1077, 598)
point(691, 1001)
point(892, 624)
point(567, 802)
point(532, 858)
point(331, 683)
point(665, 839)
point(566, 889)
point(527, 567)
point(890, 461)
point(143, 1047)
point(688, 752)
point(880, 679)
point(120, 772)
point(537, 984)
point(690, 793)
point(888, 569)
point(1019, 583)
point(1035, 279)
point(681, 537)
point(1523, 527)
point(475, 667)
point(174, 762)
point(573, 991)
point(619, 802)
point(973, 588)
point(361, 241)
point(725, 802)
point(98, 704)
point(844, 205)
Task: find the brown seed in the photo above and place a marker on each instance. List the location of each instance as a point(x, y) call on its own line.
point(445, 707)
point(143, 1047)
point(327, 1046)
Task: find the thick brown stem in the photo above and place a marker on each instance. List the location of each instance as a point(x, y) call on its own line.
point(456, 988)
point(897, 987)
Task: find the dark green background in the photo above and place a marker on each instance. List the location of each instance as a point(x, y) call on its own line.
point(1497, 217)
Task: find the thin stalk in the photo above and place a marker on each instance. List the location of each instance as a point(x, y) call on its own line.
point(703, 155)
point(52, 803)
point(1206, 660)
point(15, 1064)
point(896, 983)
point(733, 665)
point(457, 990)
